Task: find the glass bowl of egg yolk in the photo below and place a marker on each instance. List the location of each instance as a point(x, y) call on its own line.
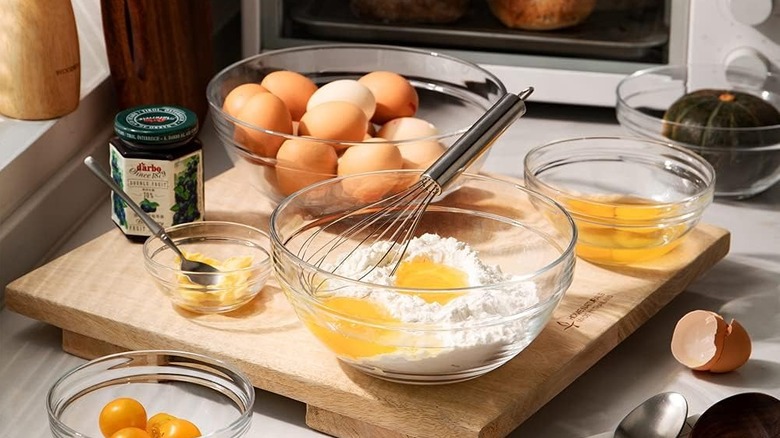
point(151, 394)
point(292, 117)
point(633, 199)
point(240, 253)
point(486, 266)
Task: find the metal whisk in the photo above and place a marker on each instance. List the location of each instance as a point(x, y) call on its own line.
point(394, 219)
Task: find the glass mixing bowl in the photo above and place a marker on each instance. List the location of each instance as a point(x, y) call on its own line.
point(452, 93)
point(746, 160)
point(633, 199)
point(491, 261)
point(240, 252)
point(211, 394)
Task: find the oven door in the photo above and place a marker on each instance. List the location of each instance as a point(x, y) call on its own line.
point(580, 64)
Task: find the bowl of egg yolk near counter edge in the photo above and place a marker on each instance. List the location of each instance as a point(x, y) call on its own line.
point(293, 117)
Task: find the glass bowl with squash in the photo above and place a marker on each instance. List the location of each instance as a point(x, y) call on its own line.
point(729, 116)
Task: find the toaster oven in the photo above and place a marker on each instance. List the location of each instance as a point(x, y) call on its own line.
point(577, 62)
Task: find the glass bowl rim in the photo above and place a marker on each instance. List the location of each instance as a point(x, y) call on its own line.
point(623, 105)
point(567, 253)
point(264, 264)
point(218, 111)
point(699, 200)
point(243, 381)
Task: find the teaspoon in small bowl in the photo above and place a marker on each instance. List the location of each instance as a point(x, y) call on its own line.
point(156, 229)
point(660, 416)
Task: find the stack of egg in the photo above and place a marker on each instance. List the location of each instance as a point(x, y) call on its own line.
point(343, 127)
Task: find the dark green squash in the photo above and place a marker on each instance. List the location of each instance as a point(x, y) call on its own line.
point(703, 118)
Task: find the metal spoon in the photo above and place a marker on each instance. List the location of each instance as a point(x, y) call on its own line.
point(156, 229)
point(660, 416)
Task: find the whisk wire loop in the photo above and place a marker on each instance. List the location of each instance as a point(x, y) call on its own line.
point(395, 219)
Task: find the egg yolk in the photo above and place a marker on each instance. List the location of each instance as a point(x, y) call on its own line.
point(423, 273)
point(369, 337)
point(604, 243)
point(353, 339)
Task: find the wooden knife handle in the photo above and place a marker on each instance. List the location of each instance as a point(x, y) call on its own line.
point(40, 69)
point(159, 52)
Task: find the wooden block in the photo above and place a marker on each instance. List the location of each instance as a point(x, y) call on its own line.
point(86, 347)
point(346, 427)
point(101, 297)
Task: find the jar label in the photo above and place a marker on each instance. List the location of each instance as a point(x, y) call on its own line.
point(171, 192)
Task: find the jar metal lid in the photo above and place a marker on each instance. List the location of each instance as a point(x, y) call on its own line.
point(156, 124)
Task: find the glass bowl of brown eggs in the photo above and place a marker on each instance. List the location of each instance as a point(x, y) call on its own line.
point(293, 117)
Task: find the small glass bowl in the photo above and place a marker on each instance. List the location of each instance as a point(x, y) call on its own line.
point(744, 170)
point(210, 393)
point(452, 93)
point(449, 334)
point(633, 199)
point(240, 252)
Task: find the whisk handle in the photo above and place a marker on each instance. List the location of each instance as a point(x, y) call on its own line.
point(470, 146)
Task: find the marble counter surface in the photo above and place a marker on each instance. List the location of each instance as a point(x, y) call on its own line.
point(745, 286)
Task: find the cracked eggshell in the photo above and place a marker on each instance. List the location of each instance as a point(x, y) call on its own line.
point(736, 349)
point(703, 341)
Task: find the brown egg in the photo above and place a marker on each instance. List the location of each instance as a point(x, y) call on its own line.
point(395, 96)
point(293, 88)
point(407, 128)
point(336, 120)
point(302, 162)
point(348, 90)
point(266, 111)
point(238, 96)
point(369, 158)
point(420, 154)
point(703, 341)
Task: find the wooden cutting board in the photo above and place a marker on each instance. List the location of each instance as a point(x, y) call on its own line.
point(104, 301)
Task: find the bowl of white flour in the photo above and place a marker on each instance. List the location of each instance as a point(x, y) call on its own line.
point(483, 272)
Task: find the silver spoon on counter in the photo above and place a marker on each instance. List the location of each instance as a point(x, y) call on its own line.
point(660, 416)
point(156, 229)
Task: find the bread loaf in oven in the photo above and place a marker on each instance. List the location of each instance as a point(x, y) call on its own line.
point(541, 14)
point(410, 11)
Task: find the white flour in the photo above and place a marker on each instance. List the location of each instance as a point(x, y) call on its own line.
point(458, 346)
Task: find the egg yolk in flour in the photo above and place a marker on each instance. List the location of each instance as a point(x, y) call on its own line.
point(423, 273)
point(369, 337)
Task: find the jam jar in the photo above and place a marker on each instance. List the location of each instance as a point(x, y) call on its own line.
point(157, 159)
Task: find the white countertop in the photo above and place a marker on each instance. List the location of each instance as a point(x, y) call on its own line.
point(745, 286)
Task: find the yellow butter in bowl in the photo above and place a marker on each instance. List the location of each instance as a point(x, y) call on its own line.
point(231, 287)
point(238, 251)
